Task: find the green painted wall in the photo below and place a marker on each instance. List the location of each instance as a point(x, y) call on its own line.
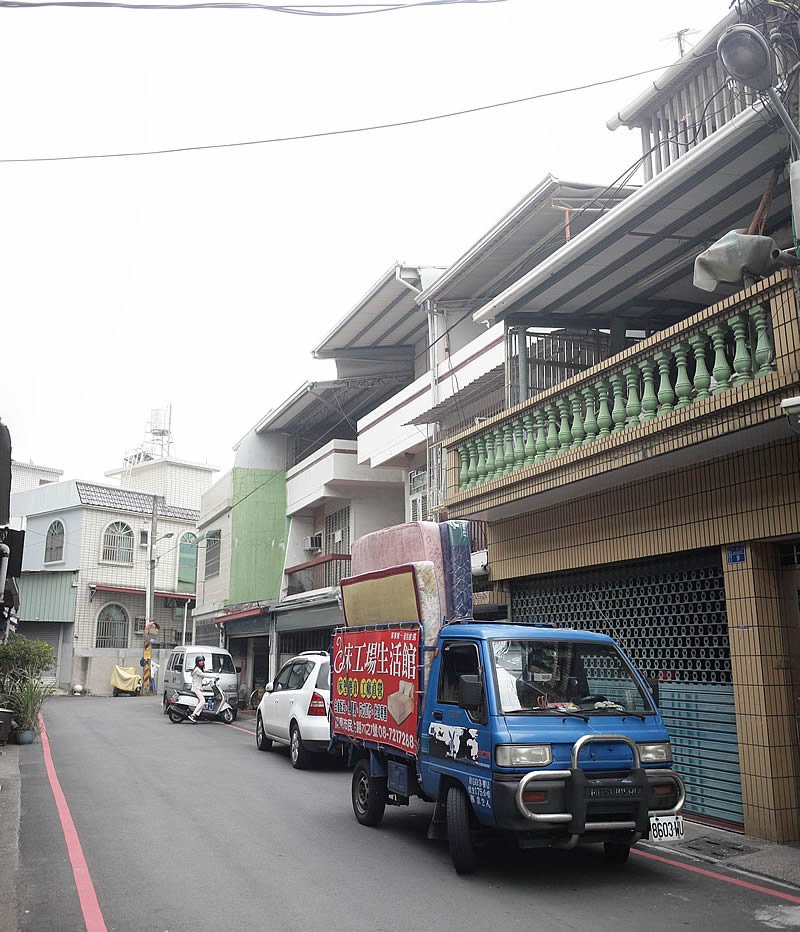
point(259, 531)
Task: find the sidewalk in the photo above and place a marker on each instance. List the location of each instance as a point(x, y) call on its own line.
point(779, 863)
point(9, 834)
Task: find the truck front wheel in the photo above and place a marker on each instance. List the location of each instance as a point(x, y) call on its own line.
point(369, 795)
point(616, 853)
point(459, 832)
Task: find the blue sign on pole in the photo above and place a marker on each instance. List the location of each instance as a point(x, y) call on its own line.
point(736, 553)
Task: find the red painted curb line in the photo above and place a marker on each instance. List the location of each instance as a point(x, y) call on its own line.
point(715, 876)
point(92, 915)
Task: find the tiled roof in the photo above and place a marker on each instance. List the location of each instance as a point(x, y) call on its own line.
point(104, 496)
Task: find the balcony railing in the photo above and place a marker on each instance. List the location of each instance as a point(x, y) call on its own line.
point(324, 572)
point(728, 345)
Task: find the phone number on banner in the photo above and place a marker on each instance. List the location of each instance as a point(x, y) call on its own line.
point(379, 732)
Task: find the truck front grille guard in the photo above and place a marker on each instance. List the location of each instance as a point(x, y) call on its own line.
point(561, 817)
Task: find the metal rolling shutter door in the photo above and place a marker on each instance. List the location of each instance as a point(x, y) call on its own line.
point(670, 618)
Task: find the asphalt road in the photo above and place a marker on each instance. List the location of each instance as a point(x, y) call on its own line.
point(190, 827)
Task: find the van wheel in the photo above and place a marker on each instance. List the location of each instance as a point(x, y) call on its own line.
point(616, 853)
point(369, 795)
point(297, 752)
point(459, 830)
point(263, 743)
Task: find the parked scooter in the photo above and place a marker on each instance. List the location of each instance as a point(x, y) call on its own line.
point(217, 708)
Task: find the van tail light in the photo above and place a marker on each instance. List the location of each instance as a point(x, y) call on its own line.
point(317, 705)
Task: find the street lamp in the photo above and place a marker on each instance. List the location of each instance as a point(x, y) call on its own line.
point(746, 56)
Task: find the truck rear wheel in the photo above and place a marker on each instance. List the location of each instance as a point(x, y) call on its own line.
point(459, 830)
point(369, 795)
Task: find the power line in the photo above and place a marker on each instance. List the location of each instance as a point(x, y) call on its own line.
point(306, 9)
point(337, 132)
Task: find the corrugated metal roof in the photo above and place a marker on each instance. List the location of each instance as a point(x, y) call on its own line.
point(533, 229)
point(47, 596)
point(387, 316)
point(636, 263)
point(104, 496)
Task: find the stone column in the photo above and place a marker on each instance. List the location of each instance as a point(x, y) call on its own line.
point(765, 700)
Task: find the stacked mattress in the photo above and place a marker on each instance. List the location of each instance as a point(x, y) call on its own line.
point(446, 546)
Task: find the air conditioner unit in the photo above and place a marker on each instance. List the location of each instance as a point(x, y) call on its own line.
point(313, 542)
point(480, 563)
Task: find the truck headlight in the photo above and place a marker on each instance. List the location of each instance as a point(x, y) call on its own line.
point(523, 755)
point(658, 752)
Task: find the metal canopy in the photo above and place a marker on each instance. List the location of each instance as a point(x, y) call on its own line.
point(636, 262)
point(479, 390)
point(319, 412)
point(386, 317)
point(533, 229)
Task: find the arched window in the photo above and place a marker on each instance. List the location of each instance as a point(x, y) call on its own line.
point(118, 543)
point(112, 626)
point(54, 544)
point(187, 562)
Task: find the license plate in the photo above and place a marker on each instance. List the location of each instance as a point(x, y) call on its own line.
point(666, 828)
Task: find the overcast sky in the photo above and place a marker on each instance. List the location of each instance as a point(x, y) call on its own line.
point(204, 279)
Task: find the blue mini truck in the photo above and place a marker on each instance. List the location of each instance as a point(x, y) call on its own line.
point(548, 735)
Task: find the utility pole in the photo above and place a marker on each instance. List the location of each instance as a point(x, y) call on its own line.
point(149, 626)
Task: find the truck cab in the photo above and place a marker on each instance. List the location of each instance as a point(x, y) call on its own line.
point(550, 734)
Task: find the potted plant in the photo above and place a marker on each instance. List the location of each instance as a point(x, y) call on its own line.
point(25, 694)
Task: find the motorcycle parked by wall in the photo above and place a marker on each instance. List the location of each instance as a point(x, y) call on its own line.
point(182, 704)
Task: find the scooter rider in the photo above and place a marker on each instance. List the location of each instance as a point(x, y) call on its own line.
point(198, 675)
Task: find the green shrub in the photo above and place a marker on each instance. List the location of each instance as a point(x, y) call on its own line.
point(24, 693)
point(19, 654)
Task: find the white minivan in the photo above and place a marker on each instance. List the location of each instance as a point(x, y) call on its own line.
point(178, 672)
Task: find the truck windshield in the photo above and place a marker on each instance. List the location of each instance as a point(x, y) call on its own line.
point(536, 676)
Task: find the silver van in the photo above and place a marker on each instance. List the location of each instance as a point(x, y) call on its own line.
point(178, 671)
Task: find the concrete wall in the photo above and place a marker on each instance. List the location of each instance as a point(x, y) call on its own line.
point(181, 483)
point(36, 527)
point(213, 594)
point(375, 510)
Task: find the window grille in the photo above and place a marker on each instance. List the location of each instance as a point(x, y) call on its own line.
point(418, 494)
point(118, 543)
point(112, 626)
point(337, 531)
point(213, 541)
point(54, 544)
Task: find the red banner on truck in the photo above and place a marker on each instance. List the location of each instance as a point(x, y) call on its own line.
point(375, 686)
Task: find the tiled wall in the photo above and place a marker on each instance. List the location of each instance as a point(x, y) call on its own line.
point(745, 496)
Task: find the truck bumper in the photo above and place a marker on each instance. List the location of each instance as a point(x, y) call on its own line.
point(573, 804)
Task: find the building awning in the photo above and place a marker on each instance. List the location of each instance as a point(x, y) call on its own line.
point(548, 216)
point(128, 590)
point(636, 262)
point(386, 317)
point(452, 408)
point(244, 613)
point(320, 608)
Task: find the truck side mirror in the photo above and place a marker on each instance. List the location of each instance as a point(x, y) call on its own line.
point(268, 688)
point(470, 692)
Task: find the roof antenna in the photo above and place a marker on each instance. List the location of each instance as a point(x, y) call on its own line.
point(681, 35)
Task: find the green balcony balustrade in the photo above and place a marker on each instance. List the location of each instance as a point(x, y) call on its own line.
point(661, 376)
